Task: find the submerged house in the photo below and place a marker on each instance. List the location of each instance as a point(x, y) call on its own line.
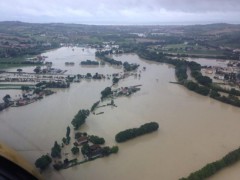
point(95, 151)
point(80, 141)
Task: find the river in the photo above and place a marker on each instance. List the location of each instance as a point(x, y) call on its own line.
point(194, 130)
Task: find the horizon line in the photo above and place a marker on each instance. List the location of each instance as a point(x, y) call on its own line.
point(192, 23)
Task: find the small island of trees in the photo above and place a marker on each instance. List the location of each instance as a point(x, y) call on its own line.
point(80, 118)
point(130, 67)
point(89, 62)
point(134, 132)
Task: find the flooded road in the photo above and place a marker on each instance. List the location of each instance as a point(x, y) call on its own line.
point(193, 130)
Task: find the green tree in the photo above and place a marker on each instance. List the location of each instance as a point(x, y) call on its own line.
point(56, 150)
point(68, 131)
point(80, 118)
point(94, 106)
point(7, 98)
point(43, 162)
point(19, 70)
point(64, 140)
point(114, 149)
point(75, 150)
point(96, 140)
point(25, 88)
point(106, 92)
point(85, 149)
point(106, 151)
point(191, 85)
point(37, 69)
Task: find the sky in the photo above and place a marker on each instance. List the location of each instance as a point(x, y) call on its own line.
point(121, 12)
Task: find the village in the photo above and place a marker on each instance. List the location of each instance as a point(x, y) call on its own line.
point(27, 97)
point(228, 75)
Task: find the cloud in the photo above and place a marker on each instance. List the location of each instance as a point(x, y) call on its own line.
point(120, 11)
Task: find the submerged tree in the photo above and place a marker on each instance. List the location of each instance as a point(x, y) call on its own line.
point(75, 150)
point(43, 162)
point(56, 150)
point(7, 98)
point(80, 118)
point(68, 131)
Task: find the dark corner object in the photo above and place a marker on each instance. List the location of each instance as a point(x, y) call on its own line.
point(11, 171)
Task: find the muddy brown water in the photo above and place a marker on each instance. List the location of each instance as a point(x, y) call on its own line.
point(194, 130)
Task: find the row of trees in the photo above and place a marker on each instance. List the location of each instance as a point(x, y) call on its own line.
point(134, 132)
point(94, 106)
point(181, 72)
point(53, 84)
point(230, 99)
point(197, 88)
point(212, 168)
point(20, 62)
point(66, 140)
point(89, 62)
point(204, 80)
point(208, 86)
point(102, 55)
point(232, 91)
point(105, 151)
point(30, 50)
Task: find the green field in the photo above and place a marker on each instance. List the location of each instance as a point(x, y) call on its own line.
point(190, 50)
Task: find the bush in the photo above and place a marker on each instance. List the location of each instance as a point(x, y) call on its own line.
point(114, 149)
point(75, 150)
point(43, 162)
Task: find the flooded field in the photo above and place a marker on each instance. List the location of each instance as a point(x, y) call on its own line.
point(209, 62)
point(193, 130)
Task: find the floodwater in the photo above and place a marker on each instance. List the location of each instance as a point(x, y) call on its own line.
point(209, 62)
point(193, 130)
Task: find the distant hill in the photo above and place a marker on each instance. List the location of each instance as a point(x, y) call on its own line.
point(21, 38)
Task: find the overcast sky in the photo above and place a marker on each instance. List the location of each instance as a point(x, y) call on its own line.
point(121, 11)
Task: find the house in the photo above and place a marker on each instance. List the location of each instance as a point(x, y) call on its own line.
point(95, 151)
point(81, 141)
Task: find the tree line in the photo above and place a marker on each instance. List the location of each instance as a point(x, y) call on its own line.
point(134, 132)
point(212, 168)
